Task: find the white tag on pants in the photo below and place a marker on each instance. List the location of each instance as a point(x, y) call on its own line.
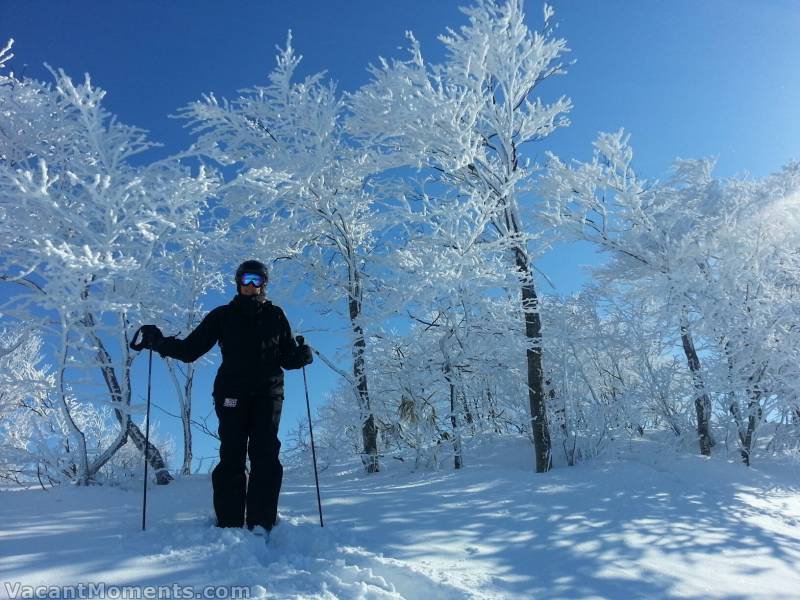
point(229, 403)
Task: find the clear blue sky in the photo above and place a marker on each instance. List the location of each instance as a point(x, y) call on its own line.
point(686, 78)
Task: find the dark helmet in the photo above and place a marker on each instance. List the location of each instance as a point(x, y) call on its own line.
point(252, 266)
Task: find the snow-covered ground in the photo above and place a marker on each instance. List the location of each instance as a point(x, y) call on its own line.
point(664, 526)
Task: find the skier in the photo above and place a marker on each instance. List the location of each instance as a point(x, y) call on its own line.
point(256, 343)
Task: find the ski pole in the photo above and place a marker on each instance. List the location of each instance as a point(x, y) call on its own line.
point(147, 437)
point(138, 347)
point(313, 450)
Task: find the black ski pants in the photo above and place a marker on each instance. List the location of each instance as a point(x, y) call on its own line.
point(248, 427)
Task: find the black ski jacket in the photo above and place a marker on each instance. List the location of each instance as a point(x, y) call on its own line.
point(256, 343)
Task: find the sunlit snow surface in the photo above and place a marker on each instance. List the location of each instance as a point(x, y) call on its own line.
point(661, 526)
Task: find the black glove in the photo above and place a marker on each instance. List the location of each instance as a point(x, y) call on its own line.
point(304, 351)
point(151, 338)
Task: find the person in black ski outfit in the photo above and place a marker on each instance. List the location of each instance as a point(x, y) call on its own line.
point(256, 344)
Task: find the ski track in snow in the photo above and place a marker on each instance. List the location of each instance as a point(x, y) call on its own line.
point(655, 527)
point(93, 540)
point(301, 560)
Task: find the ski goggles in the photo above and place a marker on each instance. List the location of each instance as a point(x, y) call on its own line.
point(255, 279)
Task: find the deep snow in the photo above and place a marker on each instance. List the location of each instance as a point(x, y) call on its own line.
point(649, 524)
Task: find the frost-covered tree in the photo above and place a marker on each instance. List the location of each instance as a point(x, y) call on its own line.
point(696, 245)
point(750, 302)
point(456, 292)
point(613, 371)
point(452, 369)
point(653, 235)
point(26, 423)
point(304, 189)
point(80, 227)
point(467, 120)
point(453, 374)
point(185, 271)
point(36, 441)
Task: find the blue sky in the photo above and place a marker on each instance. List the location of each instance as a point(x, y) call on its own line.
point(686, 78)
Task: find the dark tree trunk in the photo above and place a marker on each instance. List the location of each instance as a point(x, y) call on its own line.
point(494, 416)
point(754, 414)
point(152, 454)
point(448, 375)
point(753, 420)
point(369, 430)
point(457, 460)
point(536, 387)
point(469, 418)
point(702, 402)
point(754, 410)
point(107, 455)
point(746, 433)
point(186, 418)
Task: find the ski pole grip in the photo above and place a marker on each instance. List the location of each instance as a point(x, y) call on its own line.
point(133, 344)
point(300, 340)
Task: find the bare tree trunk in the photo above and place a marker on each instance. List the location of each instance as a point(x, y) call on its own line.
point(536, 387)
point(702, 402)
point(752, 422)
point(81, 471)
point(494, 415)
point(369, 430)
point(185, 401)
point(448, 375)
point(186, 419)
point(754, 410)
point(109, 452)
point(457, 456)
point(152, 455)
point(754, 413)
point(469, 418)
